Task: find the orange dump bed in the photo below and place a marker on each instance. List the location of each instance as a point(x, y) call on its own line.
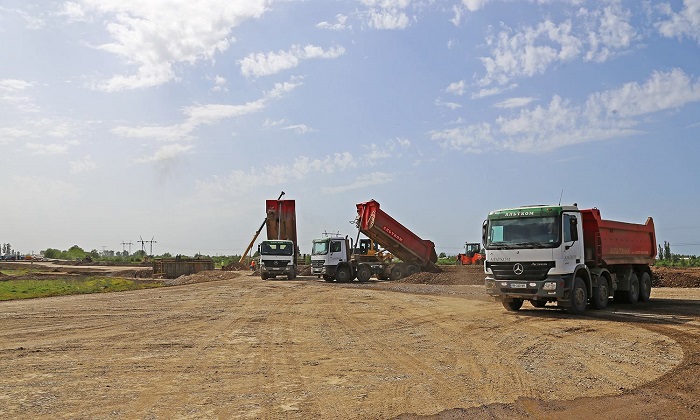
point(374, 223)
point(609, 242)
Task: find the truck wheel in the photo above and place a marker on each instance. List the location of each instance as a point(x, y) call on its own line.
point(291, 275)
point(363, 273)
point(579, 297)
point(645, 287)
point(396, 272)
point(343, 274)
point(263, 276)
point(326, 277)
point(632, 294)
point(412, 269)
point(600, 294)
point(514, 305)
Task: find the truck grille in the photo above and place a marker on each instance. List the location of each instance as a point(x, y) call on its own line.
point(317, 264)
point(275, 263)
point(536, 270)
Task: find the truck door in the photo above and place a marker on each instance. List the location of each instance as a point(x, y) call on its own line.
point(572, 241)
point(336, 254)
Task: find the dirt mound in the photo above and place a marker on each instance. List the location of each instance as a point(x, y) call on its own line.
point(675, 277)
point(450, 275)
point(202, 276)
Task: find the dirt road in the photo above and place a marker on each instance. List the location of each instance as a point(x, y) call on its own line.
point(240, 347)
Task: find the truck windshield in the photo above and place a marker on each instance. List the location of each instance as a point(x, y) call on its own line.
point(277, 248)
point(320, 248)
point(525, 232)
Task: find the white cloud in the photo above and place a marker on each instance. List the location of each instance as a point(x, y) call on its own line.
point(299, 128)
point(610, 31)
point(198, 115)
point(86, 164)
point(362, 181)
point(392, 148)
point(604, 115)
point(594, 35)
point(274, 175)
point(514, 103)
point(664, 90)
point(265, 64)
point(474, 5)
point(47, 149)
point(469, 139)
point(339, 25)
point(13, 92)
point(30, 22)
point(685, 23)
point(451, 105)
point(529, 52)
point(167, 152)
point(386, 14)
point(456, 88)
point(492, 91)
point(155, 35)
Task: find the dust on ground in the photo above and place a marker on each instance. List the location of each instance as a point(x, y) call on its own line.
point(229, 345)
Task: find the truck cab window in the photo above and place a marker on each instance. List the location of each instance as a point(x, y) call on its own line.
point(335, 246)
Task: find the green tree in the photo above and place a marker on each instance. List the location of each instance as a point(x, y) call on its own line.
point(661, 252)
point(52, 253)
point(667, 251)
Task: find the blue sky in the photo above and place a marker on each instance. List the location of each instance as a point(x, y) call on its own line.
point(176, 120)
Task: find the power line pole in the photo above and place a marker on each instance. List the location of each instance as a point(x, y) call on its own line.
point(123, 246)
point(152, 241)
point(143, 243)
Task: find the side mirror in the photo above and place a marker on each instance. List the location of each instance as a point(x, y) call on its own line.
point(484, 228)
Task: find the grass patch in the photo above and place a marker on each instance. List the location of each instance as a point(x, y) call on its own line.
point(28, 289)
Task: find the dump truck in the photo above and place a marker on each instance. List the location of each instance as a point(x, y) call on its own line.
point(561, 254)
point(333, 258)
point(279, 252)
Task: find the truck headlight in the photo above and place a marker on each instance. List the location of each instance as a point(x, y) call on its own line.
point(550, 285)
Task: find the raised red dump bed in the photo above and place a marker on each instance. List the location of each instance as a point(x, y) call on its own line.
point(281, 220)
point(374, 223)
point(608, 242)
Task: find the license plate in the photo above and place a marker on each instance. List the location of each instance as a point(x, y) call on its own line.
point(518, 285)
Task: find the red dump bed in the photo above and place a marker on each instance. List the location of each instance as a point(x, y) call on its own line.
point(609, 242)
point(394, 237)
point(281, 220)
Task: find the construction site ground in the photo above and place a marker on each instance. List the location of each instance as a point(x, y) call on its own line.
point(226, 344)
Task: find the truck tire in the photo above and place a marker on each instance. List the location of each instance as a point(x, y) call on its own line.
point(326, 277)
point(291, 275)
point(364, 273)
point(396, 272)
point(601, 294)
point(631, 295)
point(343, 274)
point(513, 306)
point(645, 287)
point(579, 297)
point(263, 275)
point(412, 269)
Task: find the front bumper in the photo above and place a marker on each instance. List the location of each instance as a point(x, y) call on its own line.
point(552, 288)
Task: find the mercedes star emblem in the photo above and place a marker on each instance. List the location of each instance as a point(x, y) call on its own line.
point(518, 269)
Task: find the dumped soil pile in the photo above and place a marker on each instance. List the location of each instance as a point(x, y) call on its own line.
point(450, 275)
point(675, 277)
point(202, 276)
